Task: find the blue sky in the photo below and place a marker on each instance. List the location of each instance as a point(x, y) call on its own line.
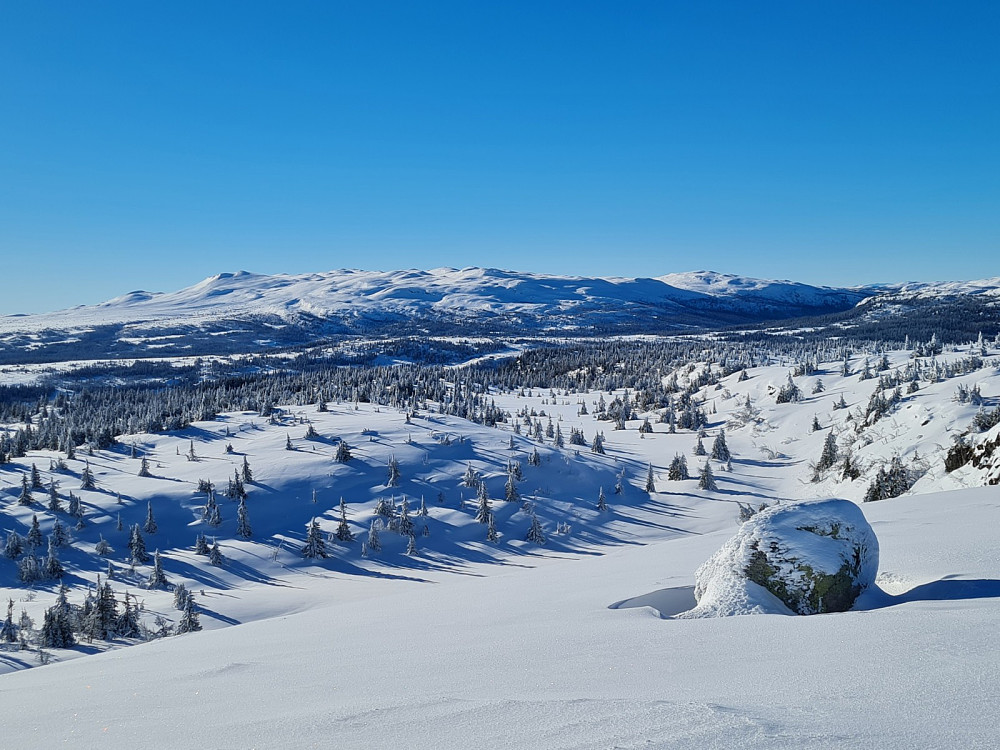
point(151, 145)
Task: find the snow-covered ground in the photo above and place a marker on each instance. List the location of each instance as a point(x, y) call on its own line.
point(511, 644)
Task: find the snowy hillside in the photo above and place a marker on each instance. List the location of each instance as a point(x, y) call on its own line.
point(249, 312)
point(472, 633)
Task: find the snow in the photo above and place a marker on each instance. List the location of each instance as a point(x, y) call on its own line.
point(576, 644)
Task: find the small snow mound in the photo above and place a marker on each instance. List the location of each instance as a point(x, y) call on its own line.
point(801, 558)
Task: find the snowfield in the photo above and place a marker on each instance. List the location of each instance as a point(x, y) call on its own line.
point(513, 644)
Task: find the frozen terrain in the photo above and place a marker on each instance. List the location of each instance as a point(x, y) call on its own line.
point(570, 644)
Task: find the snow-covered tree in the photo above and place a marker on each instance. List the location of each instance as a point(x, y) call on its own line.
point(315, 547)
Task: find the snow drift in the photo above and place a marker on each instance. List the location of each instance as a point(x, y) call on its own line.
point(803, 558)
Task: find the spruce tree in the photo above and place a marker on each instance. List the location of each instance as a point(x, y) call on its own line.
point(215, 554)
point(829, 455)
point(87, 478)
point(650, 484)
point(34, 537)
point(156, 578)
point(144, 468)
point(14, 546)
point(247, 472)
point(52, 568)
point(137, 546)
point(150, 526)
point(411, 546)
point(243, 529)
point(602, 502)
point(483, 508)
point(720, 451)
point(36, 479)
point(55, 506)
point(343, 530)
point(200, 545)
point(511, 495)
point(535, 533)
point(315, 547)
point(25, 498)
point(189, 622)
point(343, 454)
point(491, 529)
point(374, 543)
point(393, 478)
point(707, 479)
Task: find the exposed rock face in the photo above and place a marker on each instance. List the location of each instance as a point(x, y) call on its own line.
point(802, 558)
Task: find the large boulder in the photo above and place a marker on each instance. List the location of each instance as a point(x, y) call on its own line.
point(799, 558)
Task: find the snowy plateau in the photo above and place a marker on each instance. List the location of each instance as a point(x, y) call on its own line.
point(496, 551)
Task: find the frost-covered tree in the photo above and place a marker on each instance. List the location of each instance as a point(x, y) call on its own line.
point(14, 547)
point(392, 480)
point(829, 455)
point(55, 506)
point(34, 537)
point(247, 471)
point(25, 498)
point(87, 481)
point(483, 508)
point(535, 534)
point(102, 547)
point(491, 529)
point(405, 523)
point(343, 454)
point(699, 448)
point(243, 529)
point(602, 501)
point(597, 446)
point(144, 468)
point(707, 479)
point(52, 567)
point(678, 469)
point(156, 577)
point(471, 478)
point(215, 554)
point(137, 546)
point(650, 484)
point(511, 495)
point(343, 530)
point(149, 526)
point(36, 478)
point(189, 622)
point(200, 544)
point(374, 543)
point(315, 547)
point(411, 545)
point(720, 451)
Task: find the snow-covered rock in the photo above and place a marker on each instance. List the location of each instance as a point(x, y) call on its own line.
point(802, 558)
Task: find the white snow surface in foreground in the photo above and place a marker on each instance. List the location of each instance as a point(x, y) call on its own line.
point(534, 657)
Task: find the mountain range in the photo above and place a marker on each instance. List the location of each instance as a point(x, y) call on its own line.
point(243, 311)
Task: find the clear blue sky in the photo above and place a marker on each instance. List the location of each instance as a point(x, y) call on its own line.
point(149, 145)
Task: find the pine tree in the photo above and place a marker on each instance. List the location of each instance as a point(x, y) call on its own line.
point(491, 529)
point(144, 468)
point(181, 594)
point(483, 508)
point(315, 547)
point(14, 547)
point(707, 479)
point(288, 442)
point(156, 578)
point(34, 537)
point(189, 622)
point(650, 484)
point(535, 533)
point(678, 470)
point(59, 534)
point(247, 472)
point(720, 451)
point(511, 495)
point(215, 554)
point(423, 508)
point(54, 505)
point(150, 526)
point(52, 568)
point(200, 545)
point(411, 546)
point(8, 630)
point(393, 478)
point(597, 446)
point(471, 478)
point(699, 448)
point(343, 454)
point(102, 547)
point(816, 426)
point(405, 522)
point(87, 478)
point(36, 479)
point(343, 530)
point(374, 544)
point(137, 546)
point(243, 529)
point(602, 503)
point(25, 497)
point(829, 455)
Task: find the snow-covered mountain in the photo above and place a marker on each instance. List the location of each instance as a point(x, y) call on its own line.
point(245, 311)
